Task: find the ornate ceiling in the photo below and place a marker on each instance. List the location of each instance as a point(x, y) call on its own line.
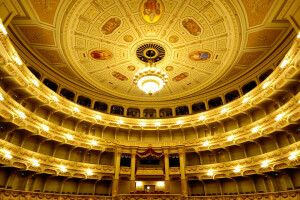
point(206, 42)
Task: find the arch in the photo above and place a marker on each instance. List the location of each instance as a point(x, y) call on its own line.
point(248, 87)
point(182, 110)
point(67, 94)
point(35, 72)
point(117, 110)
point(149, 113)
point(165, 112)
point(84, 101)
point(198, 107)
point(100, 106)
point(265, 75)
point(50, 84)
point(133, 112)
point(232, 96)
point(216, 102)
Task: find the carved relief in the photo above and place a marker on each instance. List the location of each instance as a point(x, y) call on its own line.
point(101, 54)
point(180, 77)
point(119, 76)
point(169, 68)
point(128, 38)
point(131, 68)
point(191, 26)
point(151, 10)
point(110, 26)
point(199, 55)
point(174, 39)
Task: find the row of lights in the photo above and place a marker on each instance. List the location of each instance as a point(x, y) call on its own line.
point(142, 124)
point(265, 163)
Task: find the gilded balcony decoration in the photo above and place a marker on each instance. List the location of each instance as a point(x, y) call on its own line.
point(221, 121)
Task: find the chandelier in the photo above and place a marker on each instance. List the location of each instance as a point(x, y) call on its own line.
point(150, 79)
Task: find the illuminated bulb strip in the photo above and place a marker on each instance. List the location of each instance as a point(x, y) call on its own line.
point(35, 83)
point(69, 137)
point(278, 117)
point(293, 155)
point(2, 28)
point(18, 60)
point(157, 124)
point(63, 168)
point(255, 129)
point(230, 138)
point(21, 114)
point(210, 172)
point(237, 169)
point(89, 172)
point(284, 63)
point(266, 85)
point(94, 143)
point(55, 98)
point(45, 128)
point(35, 162)
point(224, 110)
point(7, 154)
point(139, 183)
point(245, 100)
point(265, 163)
point(206, 143)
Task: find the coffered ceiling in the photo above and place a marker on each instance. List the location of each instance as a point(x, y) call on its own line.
point(206, 42)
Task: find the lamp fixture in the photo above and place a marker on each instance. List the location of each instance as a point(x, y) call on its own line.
point(62, 168)
point(7, 154)
point(245, 100)
point(142, 124)
point(89, 172)
point(98, 117)
point(150, 79)
point(21, 114)
point(2, 28)
point(120, 121)
point(69, 137)
point(1, 97)
point(35, 162)
point(206, 143)
point(224, 110)
point(265, 163)
point(45, 128)
point(55, 98)
point(94, 143)
point(278, 117)
point(255, 129)
point(201, 118)
point(230, 138)
point(76, 109)
point(157, 124)
point(210, 172)
point(35, 83)
point(293, 155)
point(237, 169)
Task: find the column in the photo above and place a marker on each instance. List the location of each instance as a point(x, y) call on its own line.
point(181, 153)
point(167, 171)
point(132, 171)
point(118, 154)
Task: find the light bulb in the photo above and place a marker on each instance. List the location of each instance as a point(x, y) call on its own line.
point(245, 100)
point(55, 98)
point(35, 83)
point(94, 143)
point(142, 124)
point(230, 138)
point(210, 172)
point(69, 137)
point(76, 109)
point(89, 172)
point(278, 117)
point(1, 97)
point(63, 168)
point(21, 114)
point(157, 124)
point(120, 121)
point(224, 110)
point(255, 129)
point(201, 118)
point(179, 122)
point(237, 169)
point(98, 117)
point(206, 143)
point(45, 128)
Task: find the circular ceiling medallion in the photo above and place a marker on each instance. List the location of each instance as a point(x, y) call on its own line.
point(169, 68)
point(131, 68)
point(174, 39)
point(128, 38)
point(150, 52)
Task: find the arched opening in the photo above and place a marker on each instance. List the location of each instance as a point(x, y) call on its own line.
point(117, 110)
point(216, 102)
point(182, 110)
point(149, 113)
point(165, 112)
point(67, 94)
point(198, 107)
point(232, 96)
point(84, 101)
point(53, 86)
point(133, 112)
point(248, 87)
point(99, 106)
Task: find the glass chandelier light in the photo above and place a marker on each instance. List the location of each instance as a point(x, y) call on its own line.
point(150, 79)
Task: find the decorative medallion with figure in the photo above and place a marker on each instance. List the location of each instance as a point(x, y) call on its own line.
point(180, 77)
point(101, 54)
point(191, 26)
point(199, 55)
point(119, 76)
point(151, 10)
point(110, 26)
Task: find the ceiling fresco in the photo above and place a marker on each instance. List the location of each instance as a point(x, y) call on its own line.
point(97, 41)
